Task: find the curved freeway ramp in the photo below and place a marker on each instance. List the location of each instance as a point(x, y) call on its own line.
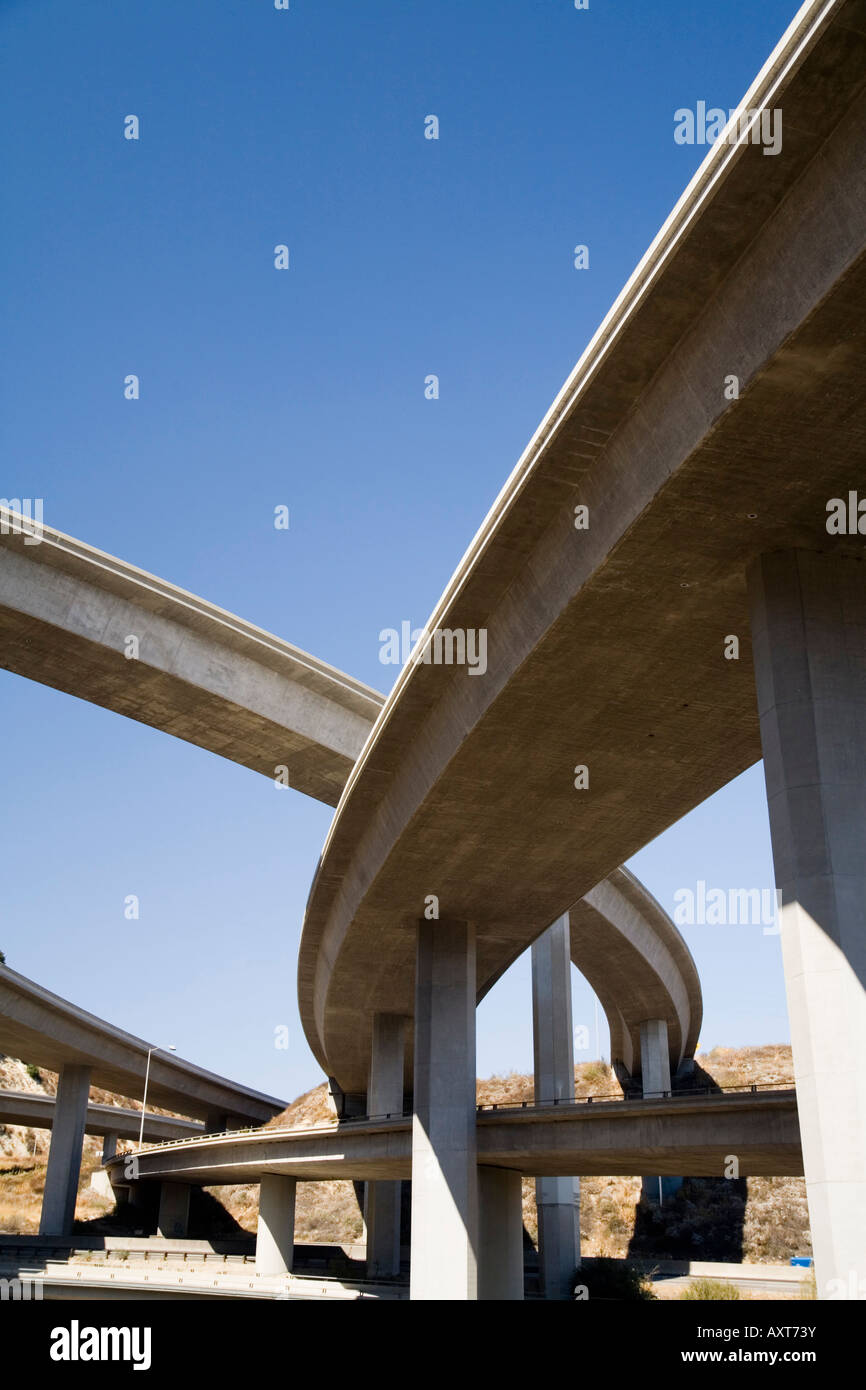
point(605, 644)
point(68, 612)
point(53, 1033)
point(640, 967)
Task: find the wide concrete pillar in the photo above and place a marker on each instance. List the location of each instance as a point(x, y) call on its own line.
point(557, 1199)
point(808, 614)
point(444, 1179)
point(109, 1147)
point(500, 1234)
point(173, 1219)
point(655, 1059)
point(64, 1155)
point(385, 1097)
point(275, 1233)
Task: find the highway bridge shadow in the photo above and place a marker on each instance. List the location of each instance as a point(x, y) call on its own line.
point(208, 1218)
point(690, 1218)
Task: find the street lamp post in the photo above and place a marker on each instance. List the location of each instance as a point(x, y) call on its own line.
point(150, 1050)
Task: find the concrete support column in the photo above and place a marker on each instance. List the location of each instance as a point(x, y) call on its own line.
point(655, 1060)
point(275, 1234)
point(109, 1147)
point(808, 616)
point(557, 1199)
point(64, 1155)
point(444, 1178)
point(385, 1097)
point(173, 1219)
point(500, 1234)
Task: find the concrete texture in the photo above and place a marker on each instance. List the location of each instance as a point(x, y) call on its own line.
point(444, 1184)
point(557, 1198)
point(500, 1235)
point(655, 1058)
point(382, 1200)
point(202, 674)
point(64, 1155)
point(51, 1032)
point(606, 646)
point(173, 1219)
point(627, 947)
point(691, 1133)
point(275, 1233)
point(809, 643)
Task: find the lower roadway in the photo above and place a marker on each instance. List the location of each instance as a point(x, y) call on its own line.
point(668, 1136)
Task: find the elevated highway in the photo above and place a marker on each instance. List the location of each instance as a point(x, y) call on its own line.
point(84, 1050)
point(692, 1131)
point(51, 1032)
point(98, 628)
point(664, 600)
point(700, 439)
point(34, 1111)
point(67, 613)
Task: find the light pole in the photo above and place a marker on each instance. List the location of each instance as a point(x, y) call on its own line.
point(150, 1050)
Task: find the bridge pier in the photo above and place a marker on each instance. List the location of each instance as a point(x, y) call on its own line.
point(444, 1177)
point(64, 1154)
point(655, 1061)
point(275, 1233)
point(173, 1219)
point(557, 1199)
point(109, 1147)
point(500, 1230)
point(385, 1097)
point(808, 614)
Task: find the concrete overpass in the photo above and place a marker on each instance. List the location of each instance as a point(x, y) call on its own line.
point(697, 1132)
point(66, 617)
point(50, 1032)
point(645, 438)
point(32, 1110)
point(598, 1138)
point(68, 613)
point(461, 833)
point(84, 1050)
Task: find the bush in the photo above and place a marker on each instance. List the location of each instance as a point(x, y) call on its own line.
point(608, 1278)
point(706, 1289)
point(809, 1287)
point(34, 1073)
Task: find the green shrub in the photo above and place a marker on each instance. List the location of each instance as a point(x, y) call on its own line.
point(34, 1073)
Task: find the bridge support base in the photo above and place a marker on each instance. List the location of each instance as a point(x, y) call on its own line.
point(444, 1178)
point(557, 1202)
point(557, 1199)
point(809, 642)
point(500, 1229)
point(173, 1219)
point(385, 1097)
point(275, 1234)
point(64, 1155)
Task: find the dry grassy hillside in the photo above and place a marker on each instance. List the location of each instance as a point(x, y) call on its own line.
point(24, 1153)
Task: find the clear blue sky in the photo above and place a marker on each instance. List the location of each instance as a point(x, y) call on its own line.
point(306, 388)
